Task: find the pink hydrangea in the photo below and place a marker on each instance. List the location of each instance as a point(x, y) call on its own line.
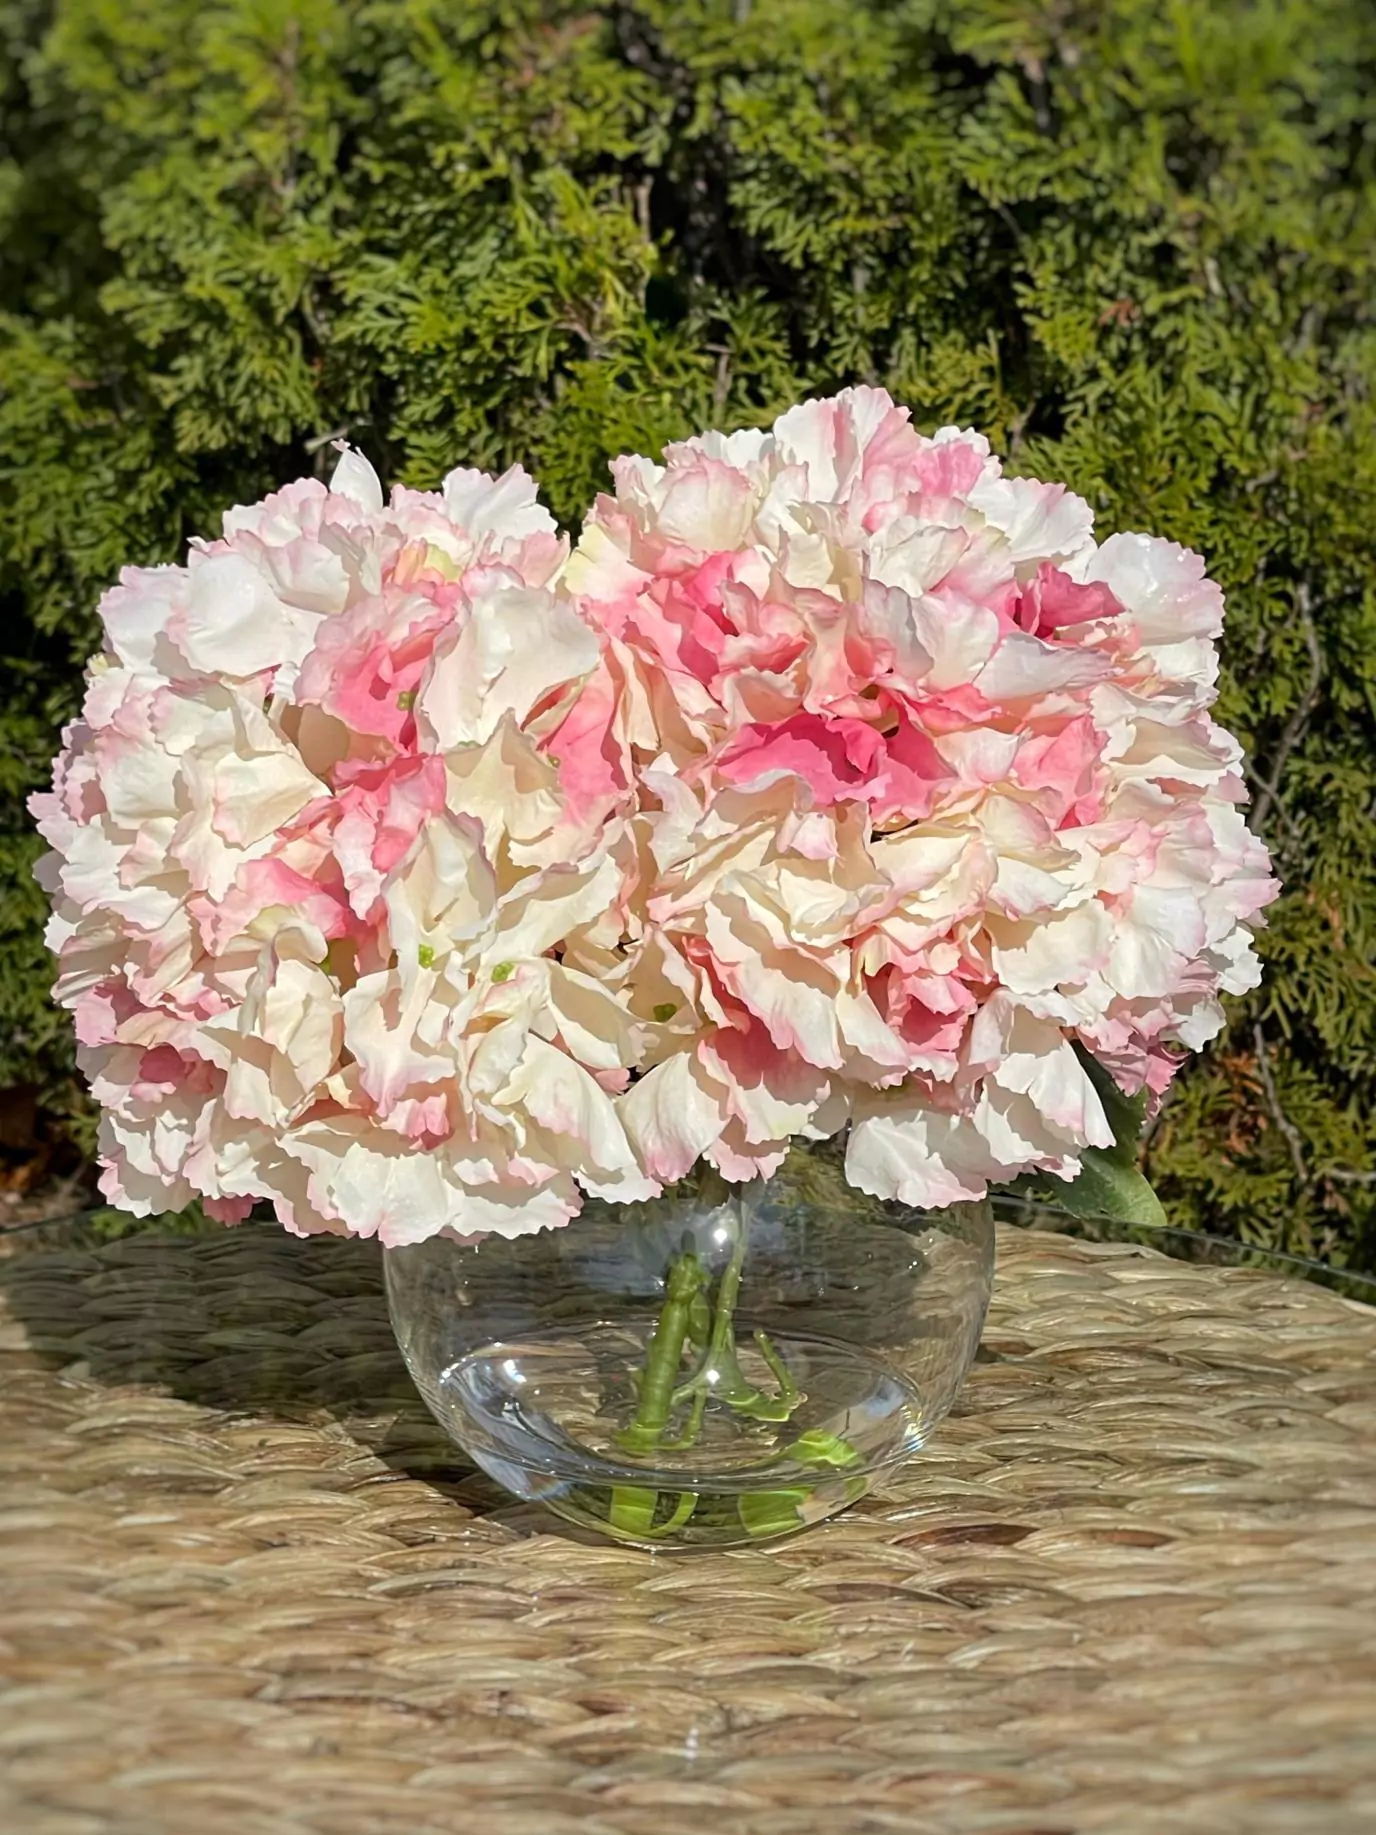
point(410, 873)
point(933, 794)
point(310, 863)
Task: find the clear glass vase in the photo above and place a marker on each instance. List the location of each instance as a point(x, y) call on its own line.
point(723, 1365)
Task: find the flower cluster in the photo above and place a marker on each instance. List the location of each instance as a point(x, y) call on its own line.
point(410, 872)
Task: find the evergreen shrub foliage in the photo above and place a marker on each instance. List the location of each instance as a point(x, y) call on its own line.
point(1133, 240)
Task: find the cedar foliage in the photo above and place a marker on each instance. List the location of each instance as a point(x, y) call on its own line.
point(1133, 240)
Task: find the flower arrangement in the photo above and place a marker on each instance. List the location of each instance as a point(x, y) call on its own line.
point(412, 872)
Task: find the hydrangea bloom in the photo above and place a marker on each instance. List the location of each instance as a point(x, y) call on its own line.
point(311, 863)
point(409, 873)
point(934, 795)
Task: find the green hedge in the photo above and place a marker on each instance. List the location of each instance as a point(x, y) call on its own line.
point(1131, 239)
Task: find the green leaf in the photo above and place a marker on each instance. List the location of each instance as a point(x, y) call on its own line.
point(634, 1509)
point(1125, 1113)
point(772, 1513)
point(816, 1447)
point(1109, 1183)
point(1104, 1187)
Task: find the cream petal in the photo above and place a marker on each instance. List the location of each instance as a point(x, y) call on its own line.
point(515, 647)
point(355, 478)
point(919, 1157)
point(505, 508)
point(565, 1100)
point(235, 624)
point(671, 1115)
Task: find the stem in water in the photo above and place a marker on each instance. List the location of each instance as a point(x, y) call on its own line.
point(685, 1319)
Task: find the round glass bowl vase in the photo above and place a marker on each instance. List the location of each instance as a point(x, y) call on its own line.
point(723, 1365)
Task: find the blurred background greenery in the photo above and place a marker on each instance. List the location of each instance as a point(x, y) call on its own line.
point(1133, 240)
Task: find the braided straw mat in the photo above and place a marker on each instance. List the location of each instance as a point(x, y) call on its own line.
point(245, 1587)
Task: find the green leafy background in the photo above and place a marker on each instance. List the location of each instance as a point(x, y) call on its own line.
point(1133, 240)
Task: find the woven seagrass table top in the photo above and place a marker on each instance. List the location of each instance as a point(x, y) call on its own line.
point(245, 1586)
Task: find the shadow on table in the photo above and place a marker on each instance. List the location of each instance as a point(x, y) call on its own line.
point(248, 1321)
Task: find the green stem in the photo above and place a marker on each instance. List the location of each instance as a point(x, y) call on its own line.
point(656, 1395)
point(692, 1428)
point(633, 1506)
point(718, 1376)
point(720, 1359)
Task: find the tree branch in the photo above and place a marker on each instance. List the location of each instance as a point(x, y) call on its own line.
point(721, 388)
point(1260, 785)
point(1269, 787)
point(1293, 1139)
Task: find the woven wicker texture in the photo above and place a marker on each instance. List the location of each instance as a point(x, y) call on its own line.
point(246, 1587)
